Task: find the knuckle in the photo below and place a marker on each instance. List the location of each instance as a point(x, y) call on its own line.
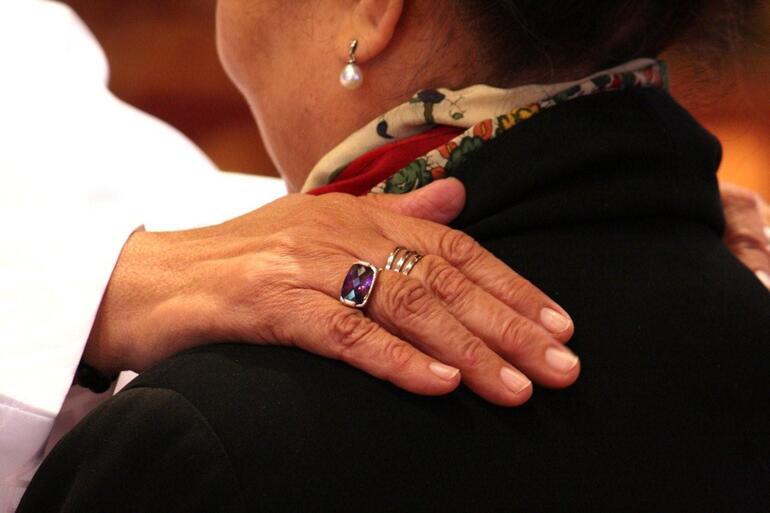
point(743, 241)
point(472, 353)
point(398, 355)
point(446, 282)
point(459, 247)
point(740, 197)
point(348, 330)
point(409, 299)
point(517, 291)
point(517, 335)
point(749, 200)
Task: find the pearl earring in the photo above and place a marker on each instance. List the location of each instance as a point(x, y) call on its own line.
point(352, 77)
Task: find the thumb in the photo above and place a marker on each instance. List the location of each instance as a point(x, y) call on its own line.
point(440, 201)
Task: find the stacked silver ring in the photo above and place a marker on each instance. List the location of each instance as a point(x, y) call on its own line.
point(402, 260)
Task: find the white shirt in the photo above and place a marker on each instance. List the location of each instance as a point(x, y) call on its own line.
point(79, 172)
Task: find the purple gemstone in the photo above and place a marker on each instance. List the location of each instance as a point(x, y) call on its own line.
point(358, 284)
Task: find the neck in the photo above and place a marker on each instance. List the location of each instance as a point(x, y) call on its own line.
point(422, 55)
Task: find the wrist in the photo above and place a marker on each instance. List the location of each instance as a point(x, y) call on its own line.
point(108, 349)
point(151, 307)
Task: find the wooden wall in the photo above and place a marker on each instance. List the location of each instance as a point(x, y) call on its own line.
point(163, 60)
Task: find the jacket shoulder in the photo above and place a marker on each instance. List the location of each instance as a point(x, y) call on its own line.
point(146, 449)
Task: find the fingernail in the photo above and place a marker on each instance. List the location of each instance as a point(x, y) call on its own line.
point(514, 381)
point(560, 359)
point(764, 278)
point(554, 321)
point(443, 371)
point(767, 232)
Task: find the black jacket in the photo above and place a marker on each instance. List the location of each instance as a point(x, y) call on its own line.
point(608, 203)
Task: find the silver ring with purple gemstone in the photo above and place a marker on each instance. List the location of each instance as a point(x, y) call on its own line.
point(402, 260)
point(358, 285)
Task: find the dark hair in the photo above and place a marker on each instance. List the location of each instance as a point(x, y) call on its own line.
point(552, 35)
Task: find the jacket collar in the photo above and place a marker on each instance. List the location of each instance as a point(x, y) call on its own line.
point(627, 154)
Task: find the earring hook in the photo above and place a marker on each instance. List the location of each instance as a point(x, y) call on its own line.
point(352, 51)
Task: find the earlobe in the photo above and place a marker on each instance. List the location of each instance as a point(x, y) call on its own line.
point(372, 23)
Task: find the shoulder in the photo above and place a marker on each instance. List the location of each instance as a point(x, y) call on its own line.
point(283, 414)
point(286, 396)
point(146, 449)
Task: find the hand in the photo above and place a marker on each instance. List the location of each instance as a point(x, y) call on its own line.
point(274, 276)
point(747, 232)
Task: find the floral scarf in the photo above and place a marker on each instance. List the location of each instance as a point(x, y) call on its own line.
point(485, 111)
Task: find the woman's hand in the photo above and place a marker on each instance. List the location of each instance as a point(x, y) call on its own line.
point(274, 276)
point(747, 232)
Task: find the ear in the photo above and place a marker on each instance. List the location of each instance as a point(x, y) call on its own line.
point(373, 23)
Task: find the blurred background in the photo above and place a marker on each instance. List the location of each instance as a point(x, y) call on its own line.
point(163, 60)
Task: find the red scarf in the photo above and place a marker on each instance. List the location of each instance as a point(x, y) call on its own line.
point(373, 167)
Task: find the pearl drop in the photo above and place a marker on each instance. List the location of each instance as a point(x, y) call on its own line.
point(351, 76)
